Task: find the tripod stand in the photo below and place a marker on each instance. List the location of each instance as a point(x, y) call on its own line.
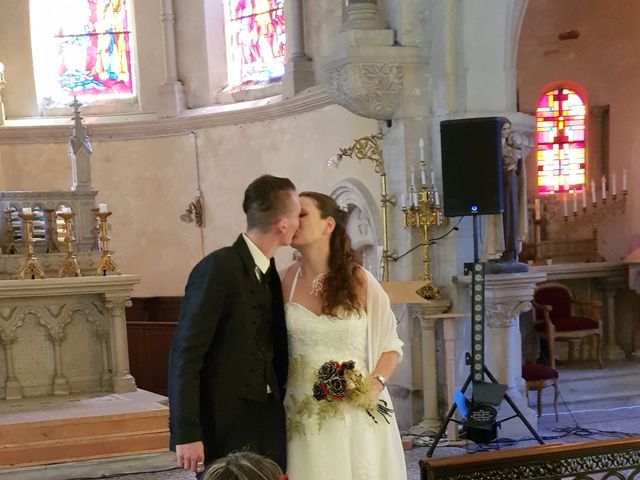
point(475, 359)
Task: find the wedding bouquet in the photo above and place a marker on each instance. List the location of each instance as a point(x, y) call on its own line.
point(341, 381)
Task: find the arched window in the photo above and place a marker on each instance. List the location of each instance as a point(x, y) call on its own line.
point(255, 41)
point(82, 48)
point(560, 135)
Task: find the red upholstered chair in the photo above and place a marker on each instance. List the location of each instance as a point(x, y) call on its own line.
point(537, 377)
point(556, 321)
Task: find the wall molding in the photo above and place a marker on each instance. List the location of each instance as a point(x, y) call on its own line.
point(217, 116)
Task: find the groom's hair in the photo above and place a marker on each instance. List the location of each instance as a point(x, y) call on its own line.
point(266, 200)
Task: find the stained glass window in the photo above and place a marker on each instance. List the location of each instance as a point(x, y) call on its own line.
point(560, 135)
point(255, 41)
point(82, 48)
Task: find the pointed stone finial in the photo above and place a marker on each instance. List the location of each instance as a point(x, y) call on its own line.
point(79, 151)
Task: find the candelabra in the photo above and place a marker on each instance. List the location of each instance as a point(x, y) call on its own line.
point(107, 265)
point(423, 212)
point(70, 266)
point(368, 148)
point(590, 213)
point(10, 244)
point(31, 268)
point(52, 231)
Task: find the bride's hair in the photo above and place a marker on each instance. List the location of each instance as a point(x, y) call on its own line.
point(342, 287)
point(244, 466)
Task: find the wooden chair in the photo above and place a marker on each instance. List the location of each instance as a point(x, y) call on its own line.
point(556, 321)
point(538, 377)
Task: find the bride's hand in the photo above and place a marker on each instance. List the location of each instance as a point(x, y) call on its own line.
point(375, 390)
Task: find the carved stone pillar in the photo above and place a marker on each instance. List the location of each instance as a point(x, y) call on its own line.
point(60, 383)
point(362, 14)
point(506, 296)
point(612, 350)
point(122, 380)
point(105, 381)
point(171, 90)
point(299, 73)
point(424, 313)
point(13, 390)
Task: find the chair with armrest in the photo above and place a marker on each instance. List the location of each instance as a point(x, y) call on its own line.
point(555, 320)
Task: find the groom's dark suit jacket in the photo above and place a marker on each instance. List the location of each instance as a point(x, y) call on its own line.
point(230, 343)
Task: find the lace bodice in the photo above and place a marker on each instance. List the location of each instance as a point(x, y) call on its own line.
point(320, 338)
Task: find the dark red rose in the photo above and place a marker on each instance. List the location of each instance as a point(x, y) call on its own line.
point(318, 394)
point(327, 370)
point(337, 387)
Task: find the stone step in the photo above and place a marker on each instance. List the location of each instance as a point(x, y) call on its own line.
point(615, 385)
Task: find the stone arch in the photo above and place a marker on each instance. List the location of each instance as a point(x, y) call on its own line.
point(363, 225)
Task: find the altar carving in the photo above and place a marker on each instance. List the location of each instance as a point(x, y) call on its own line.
point(64, 335)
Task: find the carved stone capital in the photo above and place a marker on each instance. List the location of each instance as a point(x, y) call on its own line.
point(371, 90)
point(503, 315)
point(421, 311)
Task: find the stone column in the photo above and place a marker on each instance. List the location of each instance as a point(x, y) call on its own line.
point(298, 71)
point(60, 383)
point(105, 380)
point(506, 296)
point(425, 314)
point(362, 14)
point(13, 389)
point(612, 350)
point(123, 381)
point(171, 90)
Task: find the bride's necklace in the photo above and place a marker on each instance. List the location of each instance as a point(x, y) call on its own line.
point(316, 283)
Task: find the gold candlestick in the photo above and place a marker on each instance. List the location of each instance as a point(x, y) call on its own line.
point(31, 268)
point(70, 268)
point(107, 265)
point(421, 215)
point(52, 231)
point(10, 245)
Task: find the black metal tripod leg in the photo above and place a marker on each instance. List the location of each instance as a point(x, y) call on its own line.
point(516, 409)
point(452, 410)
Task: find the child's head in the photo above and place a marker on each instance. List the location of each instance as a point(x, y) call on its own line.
point(244, 466)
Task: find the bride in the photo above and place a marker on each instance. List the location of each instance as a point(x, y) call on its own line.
point(337, 311)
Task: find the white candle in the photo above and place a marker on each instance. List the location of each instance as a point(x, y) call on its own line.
point(584, 197)
point(624, 180)
point(575, 201)
point(614, 187)
point(433, 179)
point(403, 198)
point(604, 187)
point(423, 174)
point(415, 198)
point(437, 199)
point(421, 146)
point(413, 177)
point(564, 204)
point(593, 191)
point(26, 211)
point(102, 207)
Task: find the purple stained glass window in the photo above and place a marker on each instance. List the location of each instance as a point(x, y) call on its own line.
point(94, 53)
point(256, 40)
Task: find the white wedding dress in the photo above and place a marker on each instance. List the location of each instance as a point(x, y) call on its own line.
point(348, 445)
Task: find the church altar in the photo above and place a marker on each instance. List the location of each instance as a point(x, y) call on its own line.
point(64, 335)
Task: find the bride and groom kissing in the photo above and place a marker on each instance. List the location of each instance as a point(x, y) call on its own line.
point(249, 346)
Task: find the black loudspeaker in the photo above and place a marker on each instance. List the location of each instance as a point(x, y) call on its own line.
point(472, 166)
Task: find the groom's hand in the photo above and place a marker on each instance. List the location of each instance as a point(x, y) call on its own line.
point(190, 456)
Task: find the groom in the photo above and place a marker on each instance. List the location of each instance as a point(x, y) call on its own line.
point(228, 363)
